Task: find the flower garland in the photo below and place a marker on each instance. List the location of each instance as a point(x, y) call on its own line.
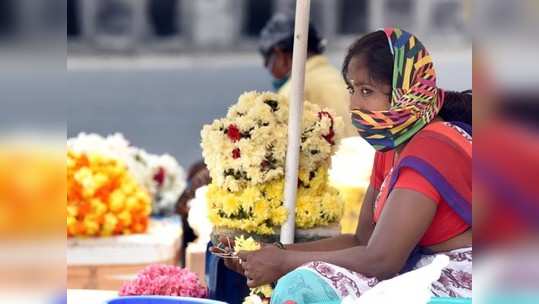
point(103, 199)
point(245, 154)
point(350, 173)
point(160, 175)
point(198, 217)
point(261, 294)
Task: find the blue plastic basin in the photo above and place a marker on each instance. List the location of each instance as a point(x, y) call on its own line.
point(161, 300)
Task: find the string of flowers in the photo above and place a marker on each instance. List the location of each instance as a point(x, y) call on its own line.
point(257, 295)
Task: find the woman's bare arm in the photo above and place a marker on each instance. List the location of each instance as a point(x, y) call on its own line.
point(366, 225)
point(404, 220)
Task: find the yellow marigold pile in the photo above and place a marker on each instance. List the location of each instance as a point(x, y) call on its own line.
point(103, 199)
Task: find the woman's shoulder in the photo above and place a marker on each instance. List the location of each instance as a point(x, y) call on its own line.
point(457, 129)
point(441, 137)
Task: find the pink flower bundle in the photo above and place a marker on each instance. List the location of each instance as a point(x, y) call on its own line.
point(165, 280)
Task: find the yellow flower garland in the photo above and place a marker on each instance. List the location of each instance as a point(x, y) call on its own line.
point(259, 209)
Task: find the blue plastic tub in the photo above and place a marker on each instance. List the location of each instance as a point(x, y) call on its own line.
point(161, 300)
point(432, 301)
point(180, 300)
point(450, 301)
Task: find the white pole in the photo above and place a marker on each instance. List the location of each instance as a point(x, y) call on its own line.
point(295, 117)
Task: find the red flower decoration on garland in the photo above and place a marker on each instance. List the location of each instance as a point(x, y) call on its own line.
point(236, 153)
point(159, 177)
point(330, 137)
point(233, 133)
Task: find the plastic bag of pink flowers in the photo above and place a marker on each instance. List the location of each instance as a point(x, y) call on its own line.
point(165, 280)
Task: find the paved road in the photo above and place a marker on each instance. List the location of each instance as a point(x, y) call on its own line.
point(160, 107)
point(163, 110)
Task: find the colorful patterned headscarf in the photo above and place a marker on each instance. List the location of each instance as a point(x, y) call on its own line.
point(415, 99)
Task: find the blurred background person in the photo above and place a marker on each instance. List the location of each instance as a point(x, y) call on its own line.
point(323, 82)
point(197, 176)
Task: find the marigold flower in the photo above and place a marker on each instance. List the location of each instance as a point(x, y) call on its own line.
point(103, 199)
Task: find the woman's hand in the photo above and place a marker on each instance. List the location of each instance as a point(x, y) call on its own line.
point(228, 245)
point(263, 266)
point(234, 265)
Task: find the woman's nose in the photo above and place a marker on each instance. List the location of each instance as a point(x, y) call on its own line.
point(355, 103)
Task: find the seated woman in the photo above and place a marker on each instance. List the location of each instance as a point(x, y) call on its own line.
point(418, 204)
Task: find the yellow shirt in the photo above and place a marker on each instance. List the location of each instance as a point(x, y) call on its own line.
point(325, 86)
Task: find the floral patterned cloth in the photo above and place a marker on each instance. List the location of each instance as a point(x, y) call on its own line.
point(455, 281)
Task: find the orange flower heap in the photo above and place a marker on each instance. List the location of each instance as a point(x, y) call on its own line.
point(32, 190)
point(103, 199)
